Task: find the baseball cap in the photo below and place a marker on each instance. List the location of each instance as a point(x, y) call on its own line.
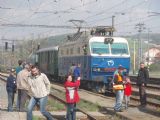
point(120, 67)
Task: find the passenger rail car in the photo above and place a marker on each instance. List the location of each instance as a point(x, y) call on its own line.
point(99, 57)
point(47, 60)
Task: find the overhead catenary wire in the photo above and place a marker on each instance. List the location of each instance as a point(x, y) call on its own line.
point(47, 26)
point(104, 10)
point(121, 11)
point(31, 16)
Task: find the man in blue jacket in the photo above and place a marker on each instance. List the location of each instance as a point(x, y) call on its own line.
point(11, 89)
point(77, 72)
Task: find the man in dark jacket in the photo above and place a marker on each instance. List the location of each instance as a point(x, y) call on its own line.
point(142, 79)
point(11, 89)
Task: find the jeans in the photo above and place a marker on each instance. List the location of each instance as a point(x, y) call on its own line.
point(42, 103)
point(127, 100)
point(71, 111)
point(10, 101)
point(143, 96)
point(119, 99)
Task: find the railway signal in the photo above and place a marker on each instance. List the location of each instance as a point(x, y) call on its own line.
point(38, 46)
point(12, 48)
point(6, 46)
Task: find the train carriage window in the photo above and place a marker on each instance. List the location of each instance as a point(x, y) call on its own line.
point(52, 56)
point(67, 52)
point(61, 52)
point(42, 57)
point(99, 48)
point(78, 50)
point(71, 51)
point(119, 48)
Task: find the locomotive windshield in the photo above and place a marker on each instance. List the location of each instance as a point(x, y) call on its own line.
point(99, 48)
point(114, 48)
point(119, 48)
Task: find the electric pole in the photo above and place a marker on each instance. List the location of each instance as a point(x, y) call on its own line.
point(112, 25)
point(140, 27)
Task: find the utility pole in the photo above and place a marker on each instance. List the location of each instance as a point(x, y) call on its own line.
point(112, 25)
point(12, 53)
point(134, 57)
point(140, 27)
point(148, 48)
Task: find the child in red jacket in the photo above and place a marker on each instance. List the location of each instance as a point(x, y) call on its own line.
point(72, 97)
point(127, 90)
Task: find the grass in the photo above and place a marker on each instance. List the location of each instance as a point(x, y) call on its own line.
point(82, 104)
point(37, 118)
point(54, 105)
point(87, 106)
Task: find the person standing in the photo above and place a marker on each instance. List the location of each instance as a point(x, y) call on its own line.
point(127, 90)
point(119, 88)
point(142, 79)
point(72, 97)
point(11, 89)
point(71, 69)
point(18, 69)
point(39, 86)
point(22, 87)
point(77, 72)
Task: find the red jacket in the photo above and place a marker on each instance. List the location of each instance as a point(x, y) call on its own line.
point(128, 89)
point(72, 91)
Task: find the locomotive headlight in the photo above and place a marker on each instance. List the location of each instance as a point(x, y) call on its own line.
point(96, 69)
point(93, 69)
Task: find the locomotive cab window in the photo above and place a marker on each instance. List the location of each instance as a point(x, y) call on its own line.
point(99, 48)
point(119, 48)
point(71, 51)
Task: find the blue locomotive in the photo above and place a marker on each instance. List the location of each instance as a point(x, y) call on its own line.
point(99, 56)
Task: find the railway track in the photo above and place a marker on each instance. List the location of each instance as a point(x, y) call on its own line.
point(51, 95)
point(134, 97)
point(152, 107)
point(153, 99)
point(152, 83)
point(89, 117)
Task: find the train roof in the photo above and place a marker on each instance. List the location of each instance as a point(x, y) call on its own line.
point(101, 39)
point(55, 48)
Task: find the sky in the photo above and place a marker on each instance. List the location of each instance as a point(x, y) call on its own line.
point(128, 13)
